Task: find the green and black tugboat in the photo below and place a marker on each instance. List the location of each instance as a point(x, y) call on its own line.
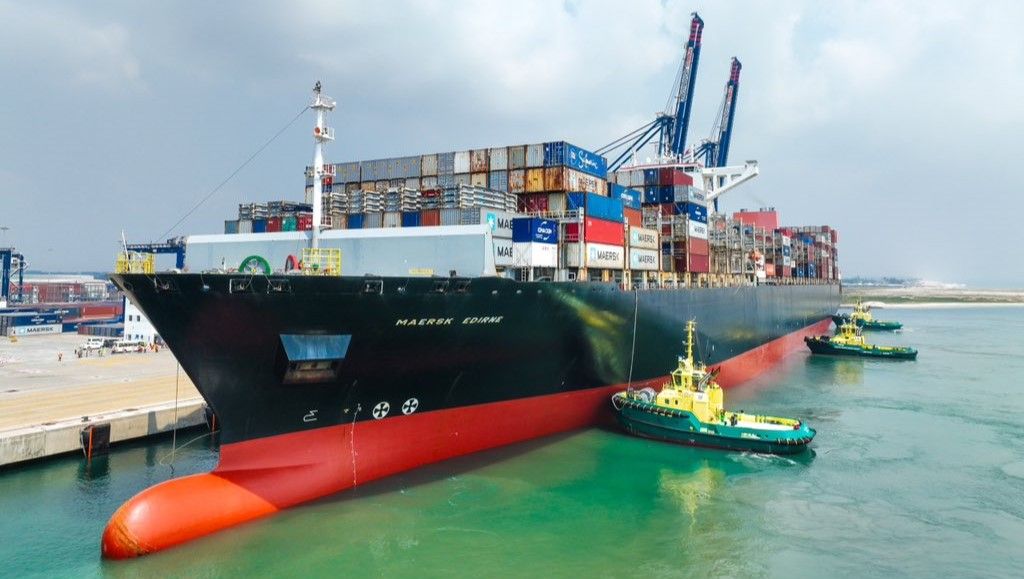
point(849, 341)
point(690, 410)
point(861, 316)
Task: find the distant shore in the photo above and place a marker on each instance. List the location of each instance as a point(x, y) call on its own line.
point(932, 297)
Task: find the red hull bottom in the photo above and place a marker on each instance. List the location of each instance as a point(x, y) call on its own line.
point(259, 477)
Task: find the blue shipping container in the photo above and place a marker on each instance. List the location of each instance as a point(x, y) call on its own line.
point(596, 206)
point(630, 198)
point(585, 161)
point(498, 181)
point(355, 221)
point(651, 194)
point(259, 225)
point(650, 176)
point(666, 194)
point(554, 154)
point(411, 219)
point(698, 213)
point(31, 319)
point(445, 164)
point(534, 230)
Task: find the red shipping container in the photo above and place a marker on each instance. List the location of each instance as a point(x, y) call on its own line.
point(532, 202)
point(666, 230)
point(431, 193)
point(693, 263)
point(430, 217)
point(601, 231)
point(274, 224)
point(697, 246)
point(303, 221)
point(634, 217)
point(672, 176)
point(766, 219)
point(667, 208)
point(572, 232)
point(769, 269)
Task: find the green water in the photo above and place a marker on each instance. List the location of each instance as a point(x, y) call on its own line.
point(917, 470)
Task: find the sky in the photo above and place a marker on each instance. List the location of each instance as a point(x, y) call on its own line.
point(899, 123)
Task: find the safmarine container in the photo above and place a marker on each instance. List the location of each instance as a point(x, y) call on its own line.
point(643, 238)
point(644, 259)
point(534, 230)
point(585, 161)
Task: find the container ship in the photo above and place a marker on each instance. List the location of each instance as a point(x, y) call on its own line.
point(416, 309)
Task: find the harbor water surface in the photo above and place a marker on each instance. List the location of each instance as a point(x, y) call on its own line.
point(917, 471)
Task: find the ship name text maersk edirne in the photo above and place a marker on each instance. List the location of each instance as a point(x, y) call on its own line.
point(332, 357)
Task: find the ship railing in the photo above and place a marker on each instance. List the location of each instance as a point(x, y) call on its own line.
point(132, 262)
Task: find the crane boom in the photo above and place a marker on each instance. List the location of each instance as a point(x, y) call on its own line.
point(680, 125)
point(714, 151)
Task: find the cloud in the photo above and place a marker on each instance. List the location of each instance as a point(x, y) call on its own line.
point(68, 46)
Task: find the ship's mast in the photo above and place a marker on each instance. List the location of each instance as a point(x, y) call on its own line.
point(321, 134)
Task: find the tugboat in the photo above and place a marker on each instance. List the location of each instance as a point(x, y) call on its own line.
point(862, 317)
point(689, 410)
point(849, 341)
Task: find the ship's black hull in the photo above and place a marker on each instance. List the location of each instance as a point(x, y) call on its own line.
point(445, 344)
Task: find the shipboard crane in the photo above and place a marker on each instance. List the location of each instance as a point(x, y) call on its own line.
point(671, 126)
point(714, 151)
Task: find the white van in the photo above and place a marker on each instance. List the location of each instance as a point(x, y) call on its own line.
point(125, 346)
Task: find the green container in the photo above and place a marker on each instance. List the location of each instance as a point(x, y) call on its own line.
point(288, 223)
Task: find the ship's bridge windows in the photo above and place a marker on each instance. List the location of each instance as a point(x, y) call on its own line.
point(313, 358)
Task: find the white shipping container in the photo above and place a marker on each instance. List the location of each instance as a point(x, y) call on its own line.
point(787, 241)
point(34, 330)
point(644, 259)
point(787, 261)
point(556, 202)
point(579, 181)
point(392, 219)
point(245, 226)
point(500, 222)
point(428, 165)
point(462, 161)
point(697, 229)
point(534, 255)
point(643, 238)
point(600, 255)
point(428, 183)
point(499, 159)
point(535, 155)
point(503, 252)
point(636, 179)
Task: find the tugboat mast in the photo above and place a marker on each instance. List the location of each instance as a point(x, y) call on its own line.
point(321, 134)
